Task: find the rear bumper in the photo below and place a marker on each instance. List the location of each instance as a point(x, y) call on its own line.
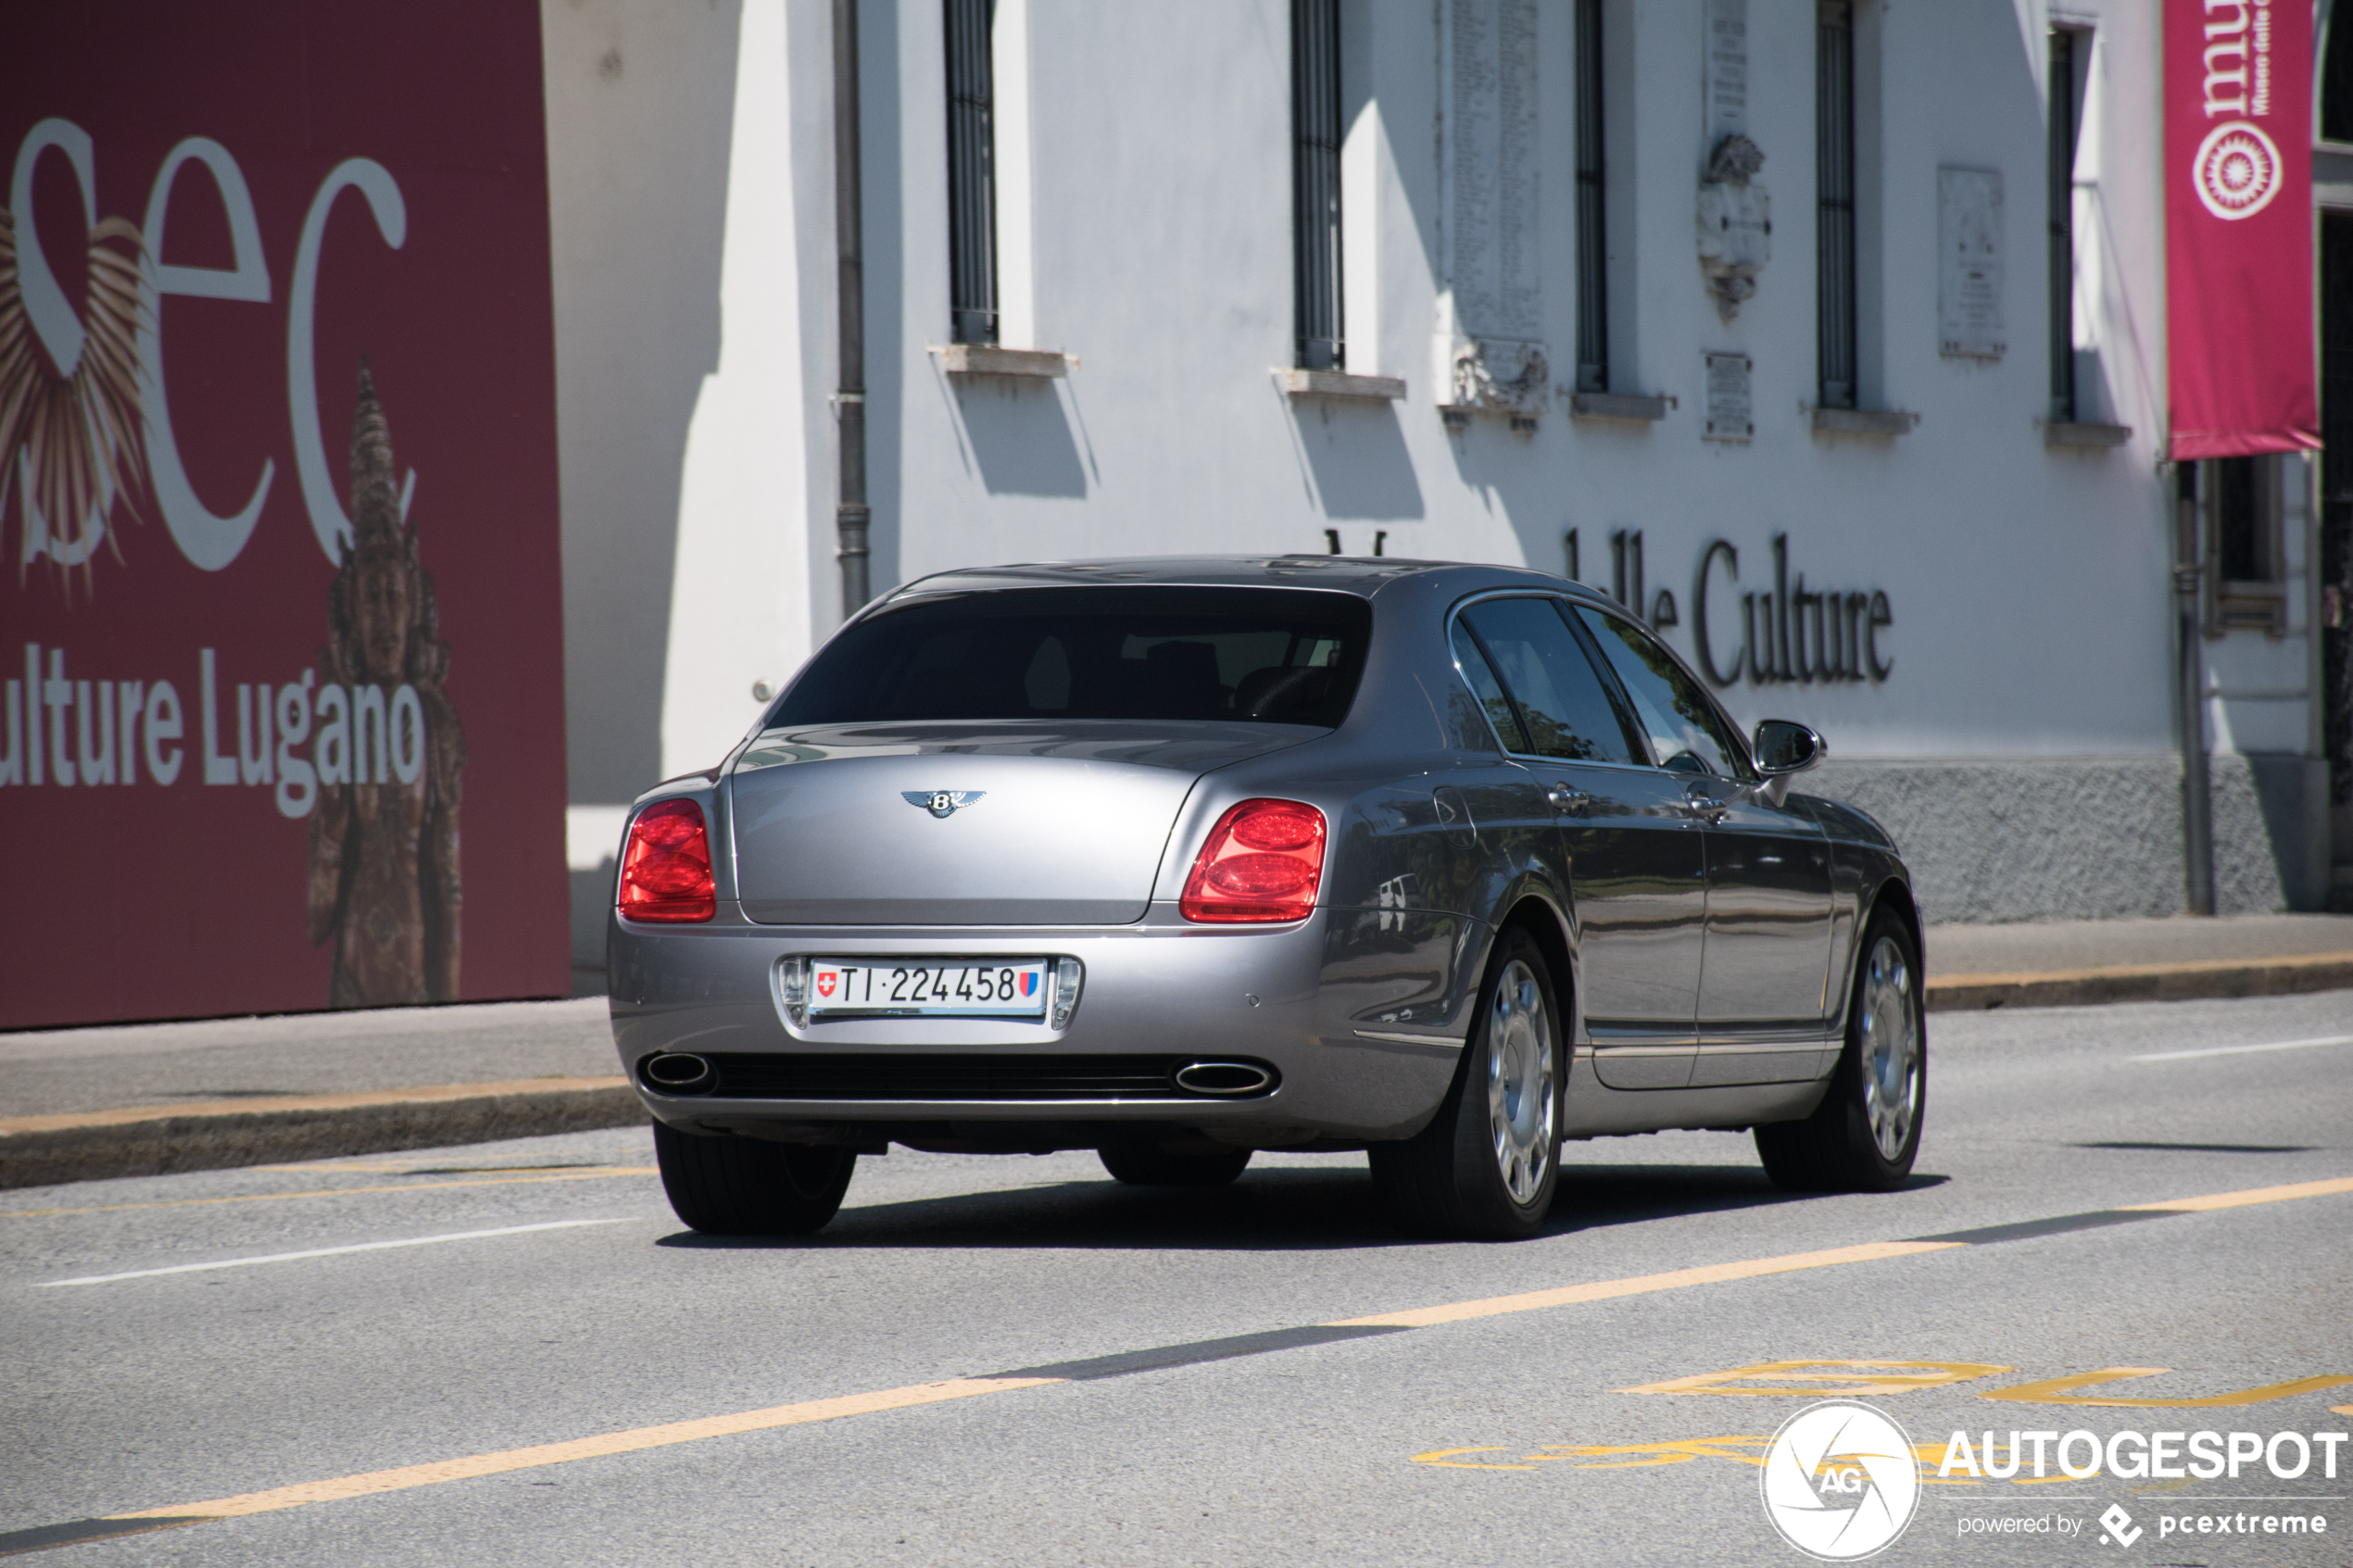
point(1306, 999)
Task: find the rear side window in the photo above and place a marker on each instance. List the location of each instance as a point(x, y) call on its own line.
point(1489, 691)
point(1270, 656)
point(1684, 732)
point(1565, 708)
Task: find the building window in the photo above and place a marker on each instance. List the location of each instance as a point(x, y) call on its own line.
point(2247, 584)
point(972, 177)
point(1834, 201)
point(1592, 191)
point(1315, 109)
point(2336, 76)
point(2336, 487)
point(2063, 123)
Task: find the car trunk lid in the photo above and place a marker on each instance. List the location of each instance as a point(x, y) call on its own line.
point(979, 824)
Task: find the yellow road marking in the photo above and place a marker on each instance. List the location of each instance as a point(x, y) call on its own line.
point(1437, 1459)
point(1642, 1285)
point(2061, 1391)
point(1875, 1378)
point(423, 1167)
point(642, 1437)
point(334, 1191)
point(2240, 1200)
point(1662, 1454)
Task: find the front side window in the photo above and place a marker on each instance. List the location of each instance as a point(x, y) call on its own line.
point(1684, 731)
point(1564, 706)
point(1269, 655)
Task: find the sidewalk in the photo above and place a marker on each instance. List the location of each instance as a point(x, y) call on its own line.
point(2075, 963)
point(145, 1099)
point(152, 1098)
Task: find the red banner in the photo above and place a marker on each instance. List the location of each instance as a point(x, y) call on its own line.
point(281, 623)
point(2238, 226)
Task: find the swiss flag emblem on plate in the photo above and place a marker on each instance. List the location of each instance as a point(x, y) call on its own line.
point(826, 983)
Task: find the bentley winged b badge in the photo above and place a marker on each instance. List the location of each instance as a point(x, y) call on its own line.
point(941, 802)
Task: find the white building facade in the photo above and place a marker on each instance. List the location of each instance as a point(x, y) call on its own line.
point(1745, 310)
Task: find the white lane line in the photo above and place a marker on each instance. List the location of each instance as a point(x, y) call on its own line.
point(322, 1252)
point(2244, 1051)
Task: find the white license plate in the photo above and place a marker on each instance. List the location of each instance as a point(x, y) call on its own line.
point(951, 987)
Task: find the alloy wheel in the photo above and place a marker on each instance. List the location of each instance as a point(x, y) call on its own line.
point(1520, 1090)
point(1891, 1048)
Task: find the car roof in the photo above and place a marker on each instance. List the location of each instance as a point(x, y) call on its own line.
point(1362, 575)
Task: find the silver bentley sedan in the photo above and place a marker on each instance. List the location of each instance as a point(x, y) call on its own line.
point(1177, 860)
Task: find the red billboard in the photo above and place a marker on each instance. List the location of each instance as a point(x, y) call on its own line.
point(281, 623)
point(2238, 226)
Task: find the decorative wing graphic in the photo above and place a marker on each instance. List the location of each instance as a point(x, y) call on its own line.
point(941, 802)
point(72, 436)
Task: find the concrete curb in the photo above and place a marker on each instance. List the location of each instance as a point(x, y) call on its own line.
point(2142, 983)
point(159, 1140)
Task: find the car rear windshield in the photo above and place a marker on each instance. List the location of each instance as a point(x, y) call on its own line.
point(1268, 656)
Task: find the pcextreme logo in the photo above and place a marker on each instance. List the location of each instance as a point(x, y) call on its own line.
point(1840, 1481)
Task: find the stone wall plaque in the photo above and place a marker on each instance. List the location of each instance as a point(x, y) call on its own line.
point(1735, 214)
point(1724, 71)
point(1969, 269)
point(1730, 413)
point(1490, 345)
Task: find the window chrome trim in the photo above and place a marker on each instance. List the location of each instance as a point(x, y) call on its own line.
point(1744, 753)
point(1455, 614)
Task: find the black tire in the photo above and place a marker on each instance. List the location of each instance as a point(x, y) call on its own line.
point(1865, 1134)
point(748, 1186)
point(1149, 1165)
point(1449, 1180)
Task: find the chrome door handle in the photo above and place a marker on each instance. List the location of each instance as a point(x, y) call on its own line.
point(1569, 798)
point(1706, 808)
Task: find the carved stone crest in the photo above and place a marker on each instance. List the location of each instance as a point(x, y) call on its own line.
point(1735, 223)
point(1499, 376)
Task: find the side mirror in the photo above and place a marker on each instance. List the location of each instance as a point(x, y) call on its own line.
point(1783, 748)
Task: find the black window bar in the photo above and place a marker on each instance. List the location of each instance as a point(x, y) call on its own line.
point(2336, 466)
point(2337, 77)
point(1314, 97)
point(2242, 542)
point(972, 171)
point(1593, 233)
point(2059, 184)
point(1834, 201)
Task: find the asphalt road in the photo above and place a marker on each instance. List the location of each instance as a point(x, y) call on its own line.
point(1473, 1440)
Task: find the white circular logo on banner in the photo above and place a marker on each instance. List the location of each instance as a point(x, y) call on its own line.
point(1840, 1481)
point(2236, 170)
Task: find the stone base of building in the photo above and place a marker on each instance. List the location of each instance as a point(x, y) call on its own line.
point(2092, 837)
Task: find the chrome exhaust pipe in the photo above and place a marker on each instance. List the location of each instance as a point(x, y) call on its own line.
point(1227, 1080)
point(678, 1072)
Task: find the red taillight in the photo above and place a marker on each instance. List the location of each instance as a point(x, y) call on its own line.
point(1263, 863)
point(665, 872)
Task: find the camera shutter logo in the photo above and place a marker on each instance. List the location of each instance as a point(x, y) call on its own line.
point(2236, 170)
point(1840, 1481)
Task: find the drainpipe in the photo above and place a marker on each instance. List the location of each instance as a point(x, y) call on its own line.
point(851, 515)
point(2189, 692)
